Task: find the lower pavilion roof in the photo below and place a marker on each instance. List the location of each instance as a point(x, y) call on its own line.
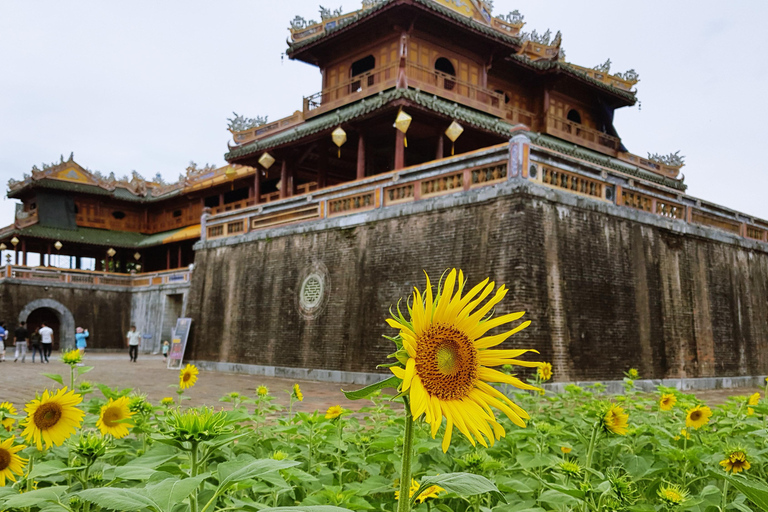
point(368, 105)
point(104, 237)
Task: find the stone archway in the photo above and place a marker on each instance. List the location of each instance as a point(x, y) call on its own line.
point(66, 320)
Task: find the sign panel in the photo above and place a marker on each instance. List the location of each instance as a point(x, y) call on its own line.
point(178, 343)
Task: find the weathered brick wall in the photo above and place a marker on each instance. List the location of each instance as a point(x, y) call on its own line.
point(106, 313)
point(604, 292)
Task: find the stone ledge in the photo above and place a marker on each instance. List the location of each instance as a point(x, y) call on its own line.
point(360, 378)
point(614, 387)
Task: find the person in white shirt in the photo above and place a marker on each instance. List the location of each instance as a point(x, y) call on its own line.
point(134, 339)
point(46, 334)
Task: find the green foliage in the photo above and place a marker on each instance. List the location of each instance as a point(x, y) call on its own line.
point(255, 456)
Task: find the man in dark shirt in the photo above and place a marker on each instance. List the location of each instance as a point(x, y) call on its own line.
point(21, 335)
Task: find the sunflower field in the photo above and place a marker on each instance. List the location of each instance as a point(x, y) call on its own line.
point(85, 447)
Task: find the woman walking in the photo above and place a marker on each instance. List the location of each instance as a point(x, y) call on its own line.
point(36, 339)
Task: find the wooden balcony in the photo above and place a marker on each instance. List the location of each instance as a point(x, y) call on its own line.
point(357, 87)
point(304, 188)
point(69, 276)
point(583, 136)
point(517, 115)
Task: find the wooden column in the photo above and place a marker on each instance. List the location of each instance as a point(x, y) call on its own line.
point(257, 187)
point(221, 199)
point(24, 252)
point(399, 149)
point(360, 157)
point(322, 171)
point(167, 258)
point(49, 255)
point(178, 263)
point(284, 179)
point(439, 152)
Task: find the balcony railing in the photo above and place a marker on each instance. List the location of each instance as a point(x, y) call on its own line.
point(304, 188)
point(60, 275)
point(580, 134)
point(357, 87)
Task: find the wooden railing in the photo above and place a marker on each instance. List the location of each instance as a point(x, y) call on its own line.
point(304, 188)
point(269, 128)
point(352, 89)
point(60, 275)
point(580, 134)
point(483, 168)
point(517, 115)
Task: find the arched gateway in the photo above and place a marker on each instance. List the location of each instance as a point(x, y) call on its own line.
point(66, 333)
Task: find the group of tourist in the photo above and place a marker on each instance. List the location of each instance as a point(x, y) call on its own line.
point(41, 341)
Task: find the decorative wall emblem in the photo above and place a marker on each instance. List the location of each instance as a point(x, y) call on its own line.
point(313, 290)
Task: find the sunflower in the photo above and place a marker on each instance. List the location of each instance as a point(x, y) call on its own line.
point(698, 416)
point(633, 374)
point(736, 462)
point(296, 392)
point(52, 418)
point(429, 492)
point(262, 391)
point(7, 409)
point(672, 495)
point(72, 357)
point(334, 412)
point(754, 399)
point(10, 463)
point(544, 372)
point(566, 449)
point(188, 376)
point(113, 416)
point(667, 402)
point(445, 358)
point(615, 420)
point(167, 401)
point(570, 467)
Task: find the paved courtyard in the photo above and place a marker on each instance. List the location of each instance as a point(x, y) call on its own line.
point(19, 382)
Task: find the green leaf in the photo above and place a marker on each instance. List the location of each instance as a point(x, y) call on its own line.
point(756, 492)
point(311, 508)
point(48, 468)
point(35, 498)
point(55, 376)
point(133, 473)
point(113, 498)
point(83, 369)
point(463, 484)
point(244, 470)
point(391, 382)
point(171, 491)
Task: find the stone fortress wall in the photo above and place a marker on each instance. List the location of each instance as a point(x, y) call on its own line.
point(606, 287)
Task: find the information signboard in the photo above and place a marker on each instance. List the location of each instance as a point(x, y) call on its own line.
point(179, 343)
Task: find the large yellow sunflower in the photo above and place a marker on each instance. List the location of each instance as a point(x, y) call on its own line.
point(111, 420)
point(667, 401)
point(698, 416)
point(10, 463)
point(6, 409)
point(446, 360)
point(736, 462)
point(753, 399)
point(188, 376)
point(615, 420)
point(52, 418)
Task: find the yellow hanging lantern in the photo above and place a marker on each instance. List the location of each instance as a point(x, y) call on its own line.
point(339, 137)
point(266, 160)
point(230, 173)
point(402, 122)
point(453, 133)
point(58, 245)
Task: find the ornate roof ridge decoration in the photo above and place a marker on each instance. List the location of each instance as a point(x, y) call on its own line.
point(672, 159)
point(77, 177)
point(330, 120)
point(537, 46)
point(579, 72)
point(242, 123)
point(305, 32)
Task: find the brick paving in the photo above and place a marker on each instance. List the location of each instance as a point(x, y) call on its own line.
point(19, 382)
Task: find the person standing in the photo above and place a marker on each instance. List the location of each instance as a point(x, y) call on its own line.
point(20, 339)
point(166, 347)
point(46, 335)
point(80, 336)
point(35, 339)
point(3, 335)
point(134, 339)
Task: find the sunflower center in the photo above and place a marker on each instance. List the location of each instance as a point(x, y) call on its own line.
point(696, 415)
point(111, 416)
point(47, 415)
point(5, 459)
point(186, 376)
point(446, 362)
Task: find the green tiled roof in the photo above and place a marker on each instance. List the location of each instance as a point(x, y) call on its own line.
point(93, 236)
point(545, 65)
point(363, 14)
point(365, 106)
point(71, 186)
point(577, 151)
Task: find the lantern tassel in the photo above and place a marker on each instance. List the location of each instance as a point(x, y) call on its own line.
point(405, 141)
point(452, 148)
point(339, 155)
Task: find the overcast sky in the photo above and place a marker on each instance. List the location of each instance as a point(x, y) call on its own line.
point(148, 85)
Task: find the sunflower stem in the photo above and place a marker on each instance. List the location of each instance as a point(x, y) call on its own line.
point(725, 495)
point(404, 503)
point(71, 376)
point(591, 450)
point(193, 473)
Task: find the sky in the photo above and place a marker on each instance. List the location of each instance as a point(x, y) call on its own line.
point(148, 85)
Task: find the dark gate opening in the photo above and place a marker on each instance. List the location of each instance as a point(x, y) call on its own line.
point(51, 318)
